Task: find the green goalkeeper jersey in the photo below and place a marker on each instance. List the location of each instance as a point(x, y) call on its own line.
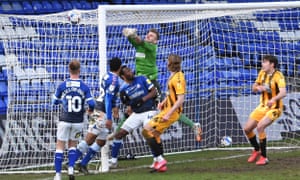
point(145, 59)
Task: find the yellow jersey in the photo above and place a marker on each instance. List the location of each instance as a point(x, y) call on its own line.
point(272, 82)
point(176, 86)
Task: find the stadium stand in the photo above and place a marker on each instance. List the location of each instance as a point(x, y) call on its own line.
point(216, 55)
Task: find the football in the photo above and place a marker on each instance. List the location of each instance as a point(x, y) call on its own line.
point(74, 17)
point(226, 141)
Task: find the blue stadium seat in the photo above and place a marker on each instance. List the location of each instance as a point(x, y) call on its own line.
point(86, 5)
point(6, 7)
point(246, 87)
point(205, 90)
point(76, 4)
point(246, 26)
point(27, 7)
point(225, 89)
point(66, 5)
point(3, 107)
point(57, 6)
point(3, 88)
point(38, 7)
point(288, 24)
point(5, 100)
point(1, 47)
point(48, 7)
point(17, 7)
point(205, 51)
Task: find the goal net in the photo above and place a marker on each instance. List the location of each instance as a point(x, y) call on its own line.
point(221, 46)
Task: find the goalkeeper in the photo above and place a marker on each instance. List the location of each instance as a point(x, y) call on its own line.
point(145, 64)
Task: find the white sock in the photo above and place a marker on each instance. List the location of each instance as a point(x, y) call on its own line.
point(114, 160)
point(70, 171)
point(160, 158)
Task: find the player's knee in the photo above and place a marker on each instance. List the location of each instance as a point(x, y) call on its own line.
point(122, 133)
point(262, 135)
point(247, 130)
point(90, 138)
point(147, 134)
point(101, 142)
point(83, 147)
point(260, 129)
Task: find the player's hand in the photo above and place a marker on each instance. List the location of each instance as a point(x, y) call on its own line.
point(108, 124)
point(260, 88)
point(165, 118)
point(129, 32)
point(137, 103)
point(110, 137)
point(270, 103)
point(160, 106)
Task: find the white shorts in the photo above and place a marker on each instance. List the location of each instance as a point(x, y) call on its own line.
point(99, 129)
point(69, 131)
point(136, 120)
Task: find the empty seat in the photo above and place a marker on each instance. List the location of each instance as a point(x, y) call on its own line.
point(38, 7)
point(42, 72)
point(47, 6)
point(3, 88)
point(86, 5)
point(57, 6)
point(17, 7)
point(3, 107)
point(6, 7)
point(27, 7)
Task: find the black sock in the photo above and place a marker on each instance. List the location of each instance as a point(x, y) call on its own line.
point(254, 143)
point(155, 147)
point(263, 147)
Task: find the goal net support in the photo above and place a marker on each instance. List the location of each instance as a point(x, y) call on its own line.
point(221, 46)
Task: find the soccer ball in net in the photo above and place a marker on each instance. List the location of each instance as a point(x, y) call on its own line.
point(226, 141)
point(74, 17)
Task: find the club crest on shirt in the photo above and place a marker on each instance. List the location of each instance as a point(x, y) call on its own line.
point(179, 86)
point(148, 81)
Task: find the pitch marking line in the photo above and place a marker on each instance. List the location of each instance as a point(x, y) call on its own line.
point(147, 166)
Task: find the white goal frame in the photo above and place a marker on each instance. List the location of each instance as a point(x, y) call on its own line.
point(129, 15)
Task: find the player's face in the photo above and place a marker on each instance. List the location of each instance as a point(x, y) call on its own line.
point(128, 74)
point(151, 37)
point(266, 66)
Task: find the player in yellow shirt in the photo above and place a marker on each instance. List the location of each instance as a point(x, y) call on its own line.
point(170, 110)
point(271, 84)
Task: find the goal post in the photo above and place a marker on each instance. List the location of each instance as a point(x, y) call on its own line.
point(221, 46)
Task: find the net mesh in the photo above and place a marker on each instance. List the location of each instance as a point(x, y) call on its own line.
point(221, 53)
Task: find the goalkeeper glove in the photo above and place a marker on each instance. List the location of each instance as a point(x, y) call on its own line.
point(137, 103)
point(129, 32)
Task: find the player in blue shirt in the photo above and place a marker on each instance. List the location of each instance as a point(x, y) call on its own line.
point(72, 94)
point(98, 130)
point(138, 93)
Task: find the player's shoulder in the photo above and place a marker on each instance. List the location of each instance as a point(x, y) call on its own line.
point(179, 75)
point(141, 78)
point(261, 72)
point(279, 73)
point(83, 85)
point(278, 76)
